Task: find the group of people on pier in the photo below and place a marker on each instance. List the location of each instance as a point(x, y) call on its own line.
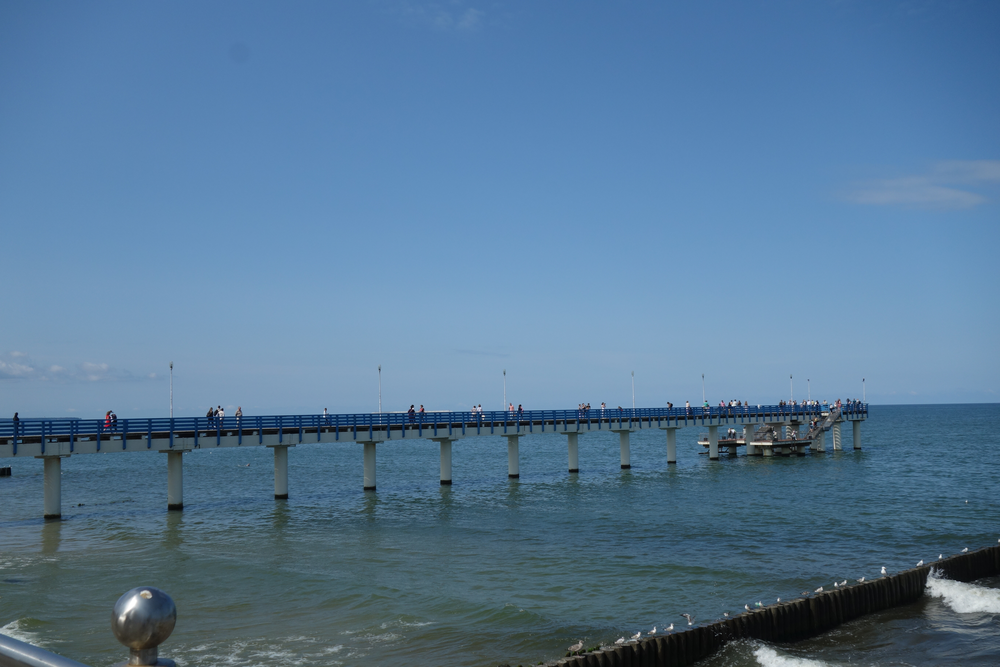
point(216, 416)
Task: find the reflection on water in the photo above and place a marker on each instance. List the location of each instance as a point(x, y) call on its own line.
point(51, 536)
point(173, 536)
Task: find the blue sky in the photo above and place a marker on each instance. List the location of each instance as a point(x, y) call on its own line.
point(279, 198)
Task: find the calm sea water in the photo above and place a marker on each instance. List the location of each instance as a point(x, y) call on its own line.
point(493, 570)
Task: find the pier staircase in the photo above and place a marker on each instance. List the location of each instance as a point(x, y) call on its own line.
point(825, 425)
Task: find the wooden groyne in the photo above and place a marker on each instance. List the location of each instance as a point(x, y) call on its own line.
point(789, 621)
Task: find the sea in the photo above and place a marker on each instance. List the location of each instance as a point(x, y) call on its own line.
point(491, 571)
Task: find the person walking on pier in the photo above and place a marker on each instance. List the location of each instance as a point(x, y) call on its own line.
point(222, 415)
point(107, 420)
point(16, 422)
point(209, 415)
point(114, 422)
point(411, 413)
point(239, 414)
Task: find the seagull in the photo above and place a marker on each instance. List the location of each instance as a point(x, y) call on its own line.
point(779, 599)
point(836, 585)
point(759, 604)
point(619, 641)
point(653, 631)
point(747, 607)
point(688, 617)
point(861, 580)
point(883, 571)
point(965, 550)
point(940, 556)
point(844, 582)
point(576, 647)
point(636, 636)
point(920, 563)
point(819, 590)
point(671, 628)
point(726, 614)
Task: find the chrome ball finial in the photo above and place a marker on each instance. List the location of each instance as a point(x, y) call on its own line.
point(142, 619)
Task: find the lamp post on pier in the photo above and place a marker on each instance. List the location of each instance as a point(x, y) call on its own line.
point(380, 390)
point(702, 388)
point(505, 389)
point(633, 391)
point(791, 389)
point(171, 390)
point(864, 398)
point(809, 394)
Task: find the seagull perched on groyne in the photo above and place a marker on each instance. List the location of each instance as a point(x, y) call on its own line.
point(653, 631)
point(843, 583)
point(921, 562)
point(965, 550)
point(836, 585)
point(779, 599)
point(619, 641)
point(940, 556)
point(576, 647)
point(747, 607)
point(670, 628)
point(688, 617)
point(818, 590)
point(637, 635)
point(883, 571)
point(861, 580)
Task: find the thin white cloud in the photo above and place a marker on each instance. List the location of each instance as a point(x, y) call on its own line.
point(12, 370)
point(946, 186)
point(444, 16)
point(20, 366)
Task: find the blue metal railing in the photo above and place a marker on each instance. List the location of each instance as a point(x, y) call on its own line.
point(114, 433)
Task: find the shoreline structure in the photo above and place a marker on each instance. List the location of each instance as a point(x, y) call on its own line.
point(788, 621)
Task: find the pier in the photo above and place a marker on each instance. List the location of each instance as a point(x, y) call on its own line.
point(54, 440)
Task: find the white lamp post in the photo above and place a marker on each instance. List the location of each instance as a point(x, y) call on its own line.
point(702, 388)
point(864, 398)
point(171, 390)
point(380, 389)
point(633, 391)
point(791, 389)
point(505, 390)
point(809, 392)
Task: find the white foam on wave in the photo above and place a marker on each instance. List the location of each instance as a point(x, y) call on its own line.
point(13, 629)
point(768, 657)
point(964, 598)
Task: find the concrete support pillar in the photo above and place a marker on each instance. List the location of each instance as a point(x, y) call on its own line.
point(713, 443)
point(281, 473)
point(857, 434)
point(836, 436)
point(671, 446)
point(175, 481)
point(513, 465)
point(573, 440)
point(819, 442)
point(369, 466)
point(748, 433)
point(768, 451)
point(52, 486)
point(626, 454)
point(446, 462)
